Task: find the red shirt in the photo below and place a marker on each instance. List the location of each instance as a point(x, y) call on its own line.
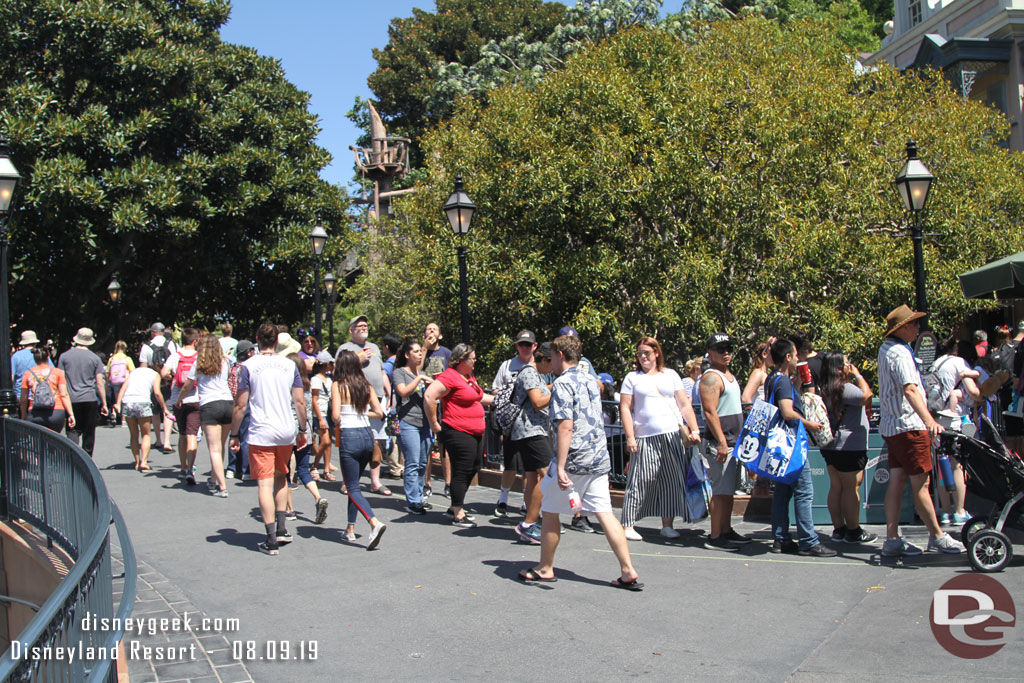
point(461, 405)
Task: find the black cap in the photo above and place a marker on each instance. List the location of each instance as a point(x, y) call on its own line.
point(526, 336)
point(545, 349)
point(717, 339)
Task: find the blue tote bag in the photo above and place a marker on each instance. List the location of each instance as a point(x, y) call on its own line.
point(769, 447)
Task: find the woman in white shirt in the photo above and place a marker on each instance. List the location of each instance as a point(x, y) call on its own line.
point(210, 374)
point(653, 406)
point(135, 402)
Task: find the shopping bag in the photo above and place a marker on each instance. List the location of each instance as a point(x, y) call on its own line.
point(698, 489)
point(769, 447)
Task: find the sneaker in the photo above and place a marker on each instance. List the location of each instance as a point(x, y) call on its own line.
point(268, 549)
point(817, 551)
point(501, 510)
point(668, 532)
point(961, 519)
point(582, 524)
point(321, 511)
point(721, 544)
point(731, 535)
point(465, 522)
point(349, 536)
point(530, 534)
point(284, 539)
point(426, 506)
point(220, 493)
point(230, 474)
point(291, 516)
point(447, 491)
point(190, 477)
point(414, 509)
point(900, 546)
point(375, 535)
point(945, 519)
point(860, 537)
point(465, 515)
point(246, 477)
point(839, 534)
point(946, 544)
point(789, 547)
point(632, 535)
point(211, 485)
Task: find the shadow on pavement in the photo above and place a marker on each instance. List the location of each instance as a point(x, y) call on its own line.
point(510, 571)
point(239, 539)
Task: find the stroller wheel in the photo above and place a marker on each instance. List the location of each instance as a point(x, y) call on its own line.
point(973, 526)
point(990, 551)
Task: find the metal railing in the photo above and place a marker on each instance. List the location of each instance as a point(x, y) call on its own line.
point(55, 486)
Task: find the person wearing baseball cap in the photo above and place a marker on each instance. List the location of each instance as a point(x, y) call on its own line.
point(908, 429)
point(525, 344)
point(21, 360)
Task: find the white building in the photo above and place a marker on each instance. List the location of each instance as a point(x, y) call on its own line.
point(977, 44)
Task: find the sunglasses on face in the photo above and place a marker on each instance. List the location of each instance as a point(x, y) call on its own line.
point(722, 349)
point(645, 354)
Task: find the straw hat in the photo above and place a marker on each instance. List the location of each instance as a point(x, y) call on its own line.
point(28, 338)
point(899, 317)
point(286, 345)
point(85, 337)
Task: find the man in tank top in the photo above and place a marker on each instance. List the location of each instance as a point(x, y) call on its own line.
point(723, 416)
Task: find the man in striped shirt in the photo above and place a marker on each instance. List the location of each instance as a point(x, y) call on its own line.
point(907, 427)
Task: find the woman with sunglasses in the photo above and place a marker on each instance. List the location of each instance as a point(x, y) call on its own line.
point(656, 416)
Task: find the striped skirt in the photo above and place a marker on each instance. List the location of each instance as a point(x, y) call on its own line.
point(656, 479)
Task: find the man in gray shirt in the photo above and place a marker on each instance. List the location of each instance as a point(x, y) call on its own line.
point(84, 372)
point(373, 369)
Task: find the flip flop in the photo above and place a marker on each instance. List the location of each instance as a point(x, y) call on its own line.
point(530, 575)
point(382, 491)
point(627, 585)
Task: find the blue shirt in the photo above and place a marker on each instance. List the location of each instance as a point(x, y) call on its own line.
point(574, 396)
point(21, 362)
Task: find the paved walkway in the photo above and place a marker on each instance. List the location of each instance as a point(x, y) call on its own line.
point(438, 603)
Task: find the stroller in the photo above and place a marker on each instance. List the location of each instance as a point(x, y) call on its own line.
point(997, 475)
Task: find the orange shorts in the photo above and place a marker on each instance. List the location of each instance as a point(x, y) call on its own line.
point(264, 461)
point(911, 451)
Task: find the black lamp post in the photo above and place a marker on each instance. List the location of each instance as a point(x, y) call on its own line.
point(318, 238)
point(459, 208)
point(9, 178)
point(913, 184)
point(330, 282)
point(114, 291)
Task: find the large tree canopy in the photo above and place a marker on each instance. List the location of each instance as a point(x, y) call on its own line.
point(153, 152)
point(740, 181)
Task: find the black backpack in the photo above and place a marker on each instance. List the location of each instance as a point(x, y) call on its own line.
point(161, 354)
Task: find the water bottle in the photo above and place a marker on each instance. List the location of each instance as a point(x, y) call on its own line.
point(575, 504)
point(946, 472)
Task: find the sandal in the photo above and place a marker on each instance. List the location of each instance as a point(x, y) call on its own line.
point(315, 474)
point(145, 468)
point(383, 491)
point(633, 585)
point(329, 477)
point(531, 575)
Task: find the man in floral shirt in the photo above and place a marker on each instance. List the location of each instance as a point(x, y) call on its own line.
point(581, 467)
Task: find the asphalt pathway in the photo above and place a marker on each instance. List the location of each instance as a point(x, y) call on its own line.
point(434, 602)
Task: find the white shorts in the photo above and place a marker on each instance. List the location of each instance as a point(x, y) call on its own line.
point(593, 490)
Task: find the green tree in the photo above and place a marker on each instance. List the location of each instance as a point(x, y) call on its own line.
point(403, 84)
point(741, 180)
point(153, 152)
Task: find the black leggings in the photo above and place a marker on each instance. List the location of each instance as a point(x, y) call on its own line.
point(465, 452)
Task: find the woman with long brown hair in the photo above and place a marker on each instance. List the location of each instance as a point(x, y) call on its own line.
point(353, 404)
point(656, 415)
point(210, 374)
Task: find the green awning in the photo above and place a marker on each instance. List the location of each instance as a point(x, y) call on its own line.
point(1002, 279)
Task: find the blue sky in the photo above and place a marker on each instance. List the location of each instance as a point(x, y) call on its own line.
point(325, 48)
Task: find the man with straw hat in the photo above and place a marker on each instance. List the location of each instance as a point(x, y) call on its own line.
point(22, 360)
point(908, 428)
point(85, 376)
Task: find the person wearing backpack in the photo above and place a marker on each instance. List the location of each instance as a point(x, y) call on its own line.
point(526, 344)
point(155, 353)
point(186, 408)
point(44, 393)
point(119, 366)
point(84, 373)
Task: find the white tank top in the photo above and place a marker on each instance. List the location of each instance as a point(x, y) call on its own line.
point(350, 419)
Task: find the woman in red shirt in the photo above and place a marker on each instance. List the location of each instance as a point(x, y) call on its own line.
point(462, 429)
point(50, 417)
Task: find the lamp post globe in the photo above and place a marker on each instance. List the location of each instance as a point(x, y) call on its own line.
point(459, 210)
point(913, 183)
point(318, 239)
